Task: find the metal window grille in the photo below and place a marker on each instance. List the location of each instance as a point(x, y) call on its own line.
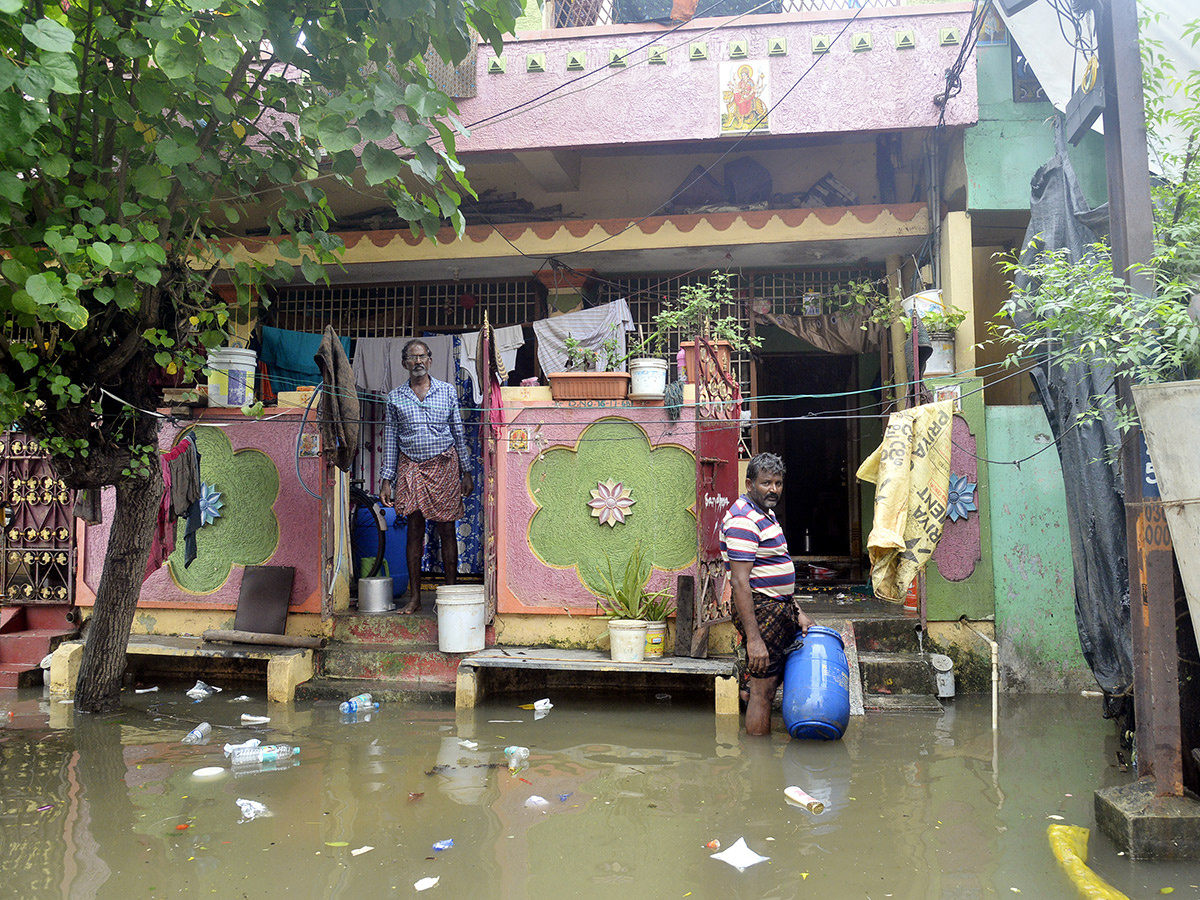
point(395, 310)
point(584, 13)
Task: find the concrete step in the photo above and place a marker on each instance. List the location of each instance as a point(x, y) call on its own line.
point(13, 676)
point(382, 690)
point(28, 647)
point(895, 635)
point(903, 703)
point(386, 628)
point(895, 673)
point(420, 666)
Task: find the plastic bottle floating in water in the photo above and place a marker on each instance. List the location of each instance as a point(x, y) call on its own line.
point(798, 797)
point(518, 757)
point(357, 704)
point(198, 735)
point(248, 756)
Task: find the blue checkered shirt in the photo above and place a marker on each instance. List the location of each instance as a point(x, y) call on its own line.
point(422, 429)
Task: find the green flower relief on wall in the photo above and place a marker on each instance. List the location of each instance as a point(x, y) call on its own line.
point(565, 533)
point(246, 531)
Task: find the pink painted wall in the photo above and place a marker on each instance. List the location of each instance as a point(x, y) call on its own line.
point(881, 89)
point(299, 518)
point(525, 583)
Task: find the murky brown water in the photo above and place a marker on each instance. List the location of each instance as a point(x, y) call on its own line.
point(918, 806)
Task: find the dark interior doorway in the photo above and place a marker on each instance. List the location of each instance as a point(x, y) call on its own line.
point(814, 436)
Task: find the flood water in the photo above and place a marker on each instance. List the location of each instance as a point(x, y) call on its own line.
point(632, 789)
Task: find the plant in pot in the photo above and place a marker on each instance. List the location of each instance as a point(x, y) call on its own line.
point(623, 602)
point(656, 607)
point(941, 324)
point(702, 309)
point(944, 321)
point(585, 378)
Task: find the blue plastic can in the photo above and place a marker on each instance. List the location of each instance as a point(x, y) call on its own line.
point(816, 687)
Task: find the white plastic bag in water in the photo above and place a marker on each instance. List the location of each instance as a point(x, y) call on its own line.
point(251, 809)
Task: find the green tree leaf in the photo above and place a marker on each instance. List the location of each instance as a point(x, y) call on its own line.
point(46, 34)
point(380, 165)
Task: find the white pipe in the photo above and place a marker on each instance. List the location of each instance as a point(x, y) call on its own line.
point(995, 669)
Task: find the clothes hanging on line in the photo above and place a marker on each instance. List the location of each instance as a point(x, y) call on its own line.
point(338, 412)
point(591, 327)
point(290, 357)
point(508, 341)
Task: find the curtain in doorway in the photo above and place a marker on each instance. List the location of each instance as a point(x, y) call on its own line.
point(833, 334)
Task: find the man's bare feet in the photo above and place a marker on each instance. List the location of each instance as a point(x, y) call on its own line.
point(411, 607)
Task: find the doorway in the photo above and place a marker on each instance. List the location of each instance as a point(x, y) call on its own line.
point(812, 426)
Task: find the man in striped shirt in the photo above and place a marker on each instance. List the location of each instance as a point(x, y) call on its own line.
point(763, 581)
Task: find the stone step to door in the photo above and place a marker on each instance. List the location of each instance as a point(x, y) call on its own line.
point(419, 664)
point(903, 703)
point(887, 635)
point(895, 673)
point(385, 628)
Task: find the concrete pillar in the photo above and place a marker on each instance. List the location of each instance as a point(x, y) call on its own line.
point(958, 284)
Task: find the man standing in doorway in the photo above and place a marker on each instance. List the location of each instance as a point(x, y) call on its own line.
point(425, 455)
point(763, 584)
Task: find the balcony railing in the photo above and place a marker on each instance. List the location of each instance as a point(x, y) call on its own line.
point(584, 13)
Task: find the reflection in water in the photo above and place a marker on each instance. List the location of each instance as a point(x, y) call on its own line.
point(631, 791)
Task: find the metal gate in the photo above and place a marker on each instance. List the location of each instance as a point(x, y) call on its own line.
point(38, 564)
point(718, 424)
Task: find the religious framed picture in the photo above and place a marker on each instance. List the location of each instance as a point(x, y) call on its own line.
point(745, 100)
point(310, 444)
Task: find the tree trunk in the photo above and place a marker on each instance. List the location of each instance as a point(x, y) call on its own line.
point(136, 517)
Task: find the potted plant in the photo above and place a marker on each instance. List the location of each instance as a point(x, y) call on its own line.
point(656, 607)
point(941, 323)
point(623, 603)
point(701, 309)
point(584, 379)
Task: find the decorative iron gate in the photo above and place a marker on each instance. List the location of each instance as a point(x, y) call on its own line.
point(38, 564)
point(718, 425)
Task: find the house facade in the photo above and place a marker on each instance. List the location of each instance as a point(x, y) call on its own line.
point(617, 154)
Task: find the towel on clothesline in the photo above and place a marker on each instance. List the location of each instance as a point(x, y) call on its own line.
point(508, 340)
point(290, 357)
point(338, 412)
point(591, 327)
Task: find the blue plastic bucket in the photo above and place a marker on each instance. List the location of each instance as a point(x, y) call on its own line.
point(816, 687)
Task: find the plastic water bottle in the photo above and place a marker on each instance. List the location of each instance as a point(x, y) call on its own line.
point(518, 757)
point(198, 734)
point(249, 756)
point(356, 703)
point(681, 364)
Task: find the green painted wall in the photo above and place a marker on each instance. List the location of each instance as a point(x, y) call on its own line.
point(974, 598)
point(1012, 140)
point(531, 20)
point(1031, 554)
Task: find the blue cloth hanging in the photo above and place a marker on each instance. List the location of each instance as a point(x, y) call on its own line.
point(288, 356)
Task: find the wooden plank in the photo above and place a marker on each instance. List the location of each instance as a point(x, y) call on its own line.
point(593, 661)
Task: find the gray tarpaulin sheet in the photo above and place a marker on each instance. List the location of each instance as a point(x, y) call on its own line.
point(1060, 218)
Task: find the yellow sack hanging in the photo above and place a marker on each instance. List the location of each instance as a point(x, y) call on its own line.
point(911, 474)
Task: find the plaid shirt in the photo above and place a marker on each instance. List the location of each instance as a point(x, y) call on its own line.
point(421, 429)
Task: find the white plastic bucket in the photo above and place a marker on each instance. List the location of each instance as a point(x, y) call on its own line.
point(231, 376)
point(627, 639)
point(656, 639)
point(647, 378)
point(460, 615)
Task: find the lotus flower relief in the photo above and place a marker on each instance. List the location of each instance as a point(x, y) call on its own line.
point(610, 502)
point(961, 500)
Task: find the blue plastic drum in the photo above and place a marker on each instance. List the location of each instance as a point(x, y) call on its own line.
point(816, 687)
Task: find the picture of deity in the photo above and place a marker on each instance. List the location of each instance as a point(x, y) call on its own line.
point(745, 97)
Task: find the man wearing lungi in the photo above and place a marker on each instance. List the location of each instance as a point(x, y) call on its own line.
point(425, 456)
point(763, 582)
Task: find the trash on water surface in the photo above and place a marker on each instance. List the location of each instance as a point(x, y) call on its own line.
point(415, 795)
point(229, 748)
point(197, 735)
point(714, 844)
point(149, 690)
point(562, 798)
point(248, 719)
point(201, 691)
point(444, 845)
point(209, 772)
point(536, 802)
point(251, 809)
point(470, 745)
point(543, 705)
point(361, 850)
point(426, 883)
point(240, 699)
point(740, 856)
point(518, 757)
point(797, 797)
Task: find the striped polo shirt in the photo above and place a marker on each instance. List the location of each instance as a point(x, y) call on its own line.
point(750, 534)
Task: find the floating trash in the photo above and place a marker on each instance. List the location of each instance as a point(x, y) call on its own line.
point(797, 797)
point(470, 745)
point(536, 802)
point(444, 845)
point(361, 850)
point(149, 690)
point(740, 856)
point(248, 719)
point(251, 809)
point(209, 772)
point(201, 691)
point(426, 883)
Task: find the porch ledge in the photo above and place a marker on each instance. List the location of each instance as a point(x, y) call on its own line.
point(285, 667)
point(470, 687)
